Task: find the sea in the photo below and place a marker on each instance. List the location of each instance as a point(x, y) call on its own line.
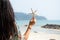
point(22, 26)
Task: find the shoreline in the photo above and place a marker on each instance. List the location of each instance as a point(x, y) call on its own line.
point(52, 29)
point(42, 35)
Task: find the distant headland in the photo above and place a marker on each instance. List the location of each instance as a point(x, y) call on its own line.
point(25, 16)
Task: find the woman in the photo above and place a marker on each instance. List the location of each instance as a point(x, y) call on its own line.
point(8, 29)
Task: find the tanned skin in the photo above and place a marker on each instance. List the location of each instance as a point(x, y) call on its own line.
point(31, 23)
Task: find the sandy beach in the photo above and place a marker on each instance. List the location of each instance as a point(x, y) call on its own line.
point(43, 36)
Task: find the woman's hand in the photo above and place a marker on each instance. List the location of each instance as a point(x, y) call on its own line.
point(32, 21)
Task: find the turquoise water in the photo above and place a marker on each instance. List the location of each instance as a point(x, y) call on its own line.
point(39, 23)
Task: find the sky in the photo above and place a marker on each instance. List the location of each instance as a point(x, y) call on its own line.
point(47, 8)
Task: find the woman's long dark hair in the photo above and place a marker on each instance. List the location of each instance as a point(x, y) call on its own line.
point(7, 20)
